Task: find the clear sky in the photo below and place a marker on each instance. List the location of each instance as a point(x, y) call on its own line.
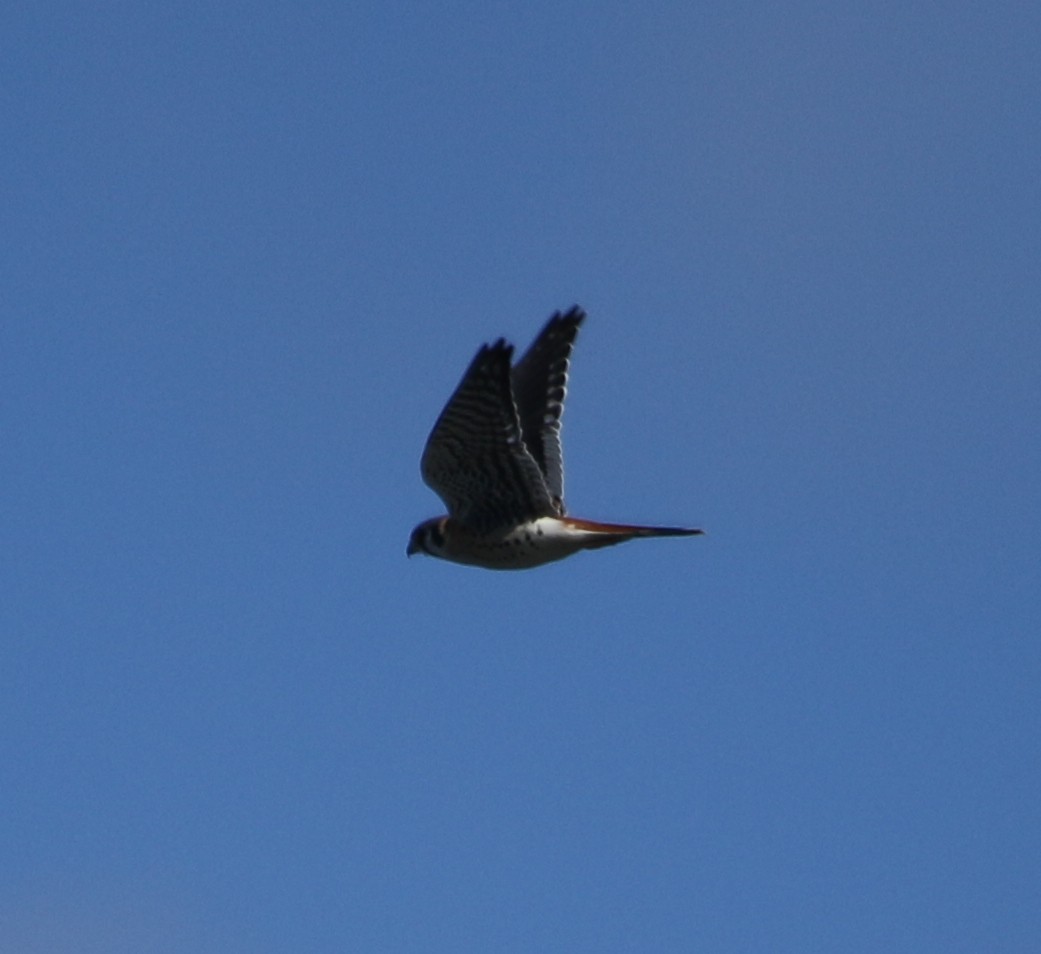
point(247, 251)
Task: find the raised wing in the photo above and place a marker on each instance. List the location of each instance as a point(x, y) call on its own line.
point(539, 388)
point(475, 458)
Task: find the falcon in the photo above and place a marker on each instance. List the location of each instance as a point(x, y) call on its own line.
point(494, 458)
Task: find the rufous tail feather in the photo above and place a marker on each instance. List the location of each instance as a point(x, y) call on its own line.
point(626, 531)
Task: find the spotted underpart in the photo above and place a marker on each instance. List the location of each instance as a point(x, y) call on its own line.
point(531, 544)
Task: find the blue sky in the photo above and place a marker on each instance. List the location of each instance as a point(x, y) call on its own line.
point(248, 251)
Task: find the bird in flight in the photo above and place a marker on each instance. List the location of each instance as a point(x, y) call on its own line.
point(494, 458)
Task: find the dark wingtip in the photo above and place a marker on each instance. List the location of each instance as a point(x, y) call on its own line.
point(575, 313)
point(496, 351)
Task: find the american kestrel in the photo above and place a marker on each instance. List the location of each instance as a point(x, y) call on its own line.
point(494, 458)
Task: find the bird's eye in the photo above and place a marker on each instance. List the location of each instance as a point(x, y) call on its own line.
point(437, 536)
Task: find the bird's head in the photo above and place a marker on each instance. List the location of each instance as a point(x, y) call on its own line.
point(428, 537)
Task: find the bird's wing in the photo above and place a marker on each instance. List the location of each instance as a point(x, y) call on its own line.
point(539, 388)
point(475, 458)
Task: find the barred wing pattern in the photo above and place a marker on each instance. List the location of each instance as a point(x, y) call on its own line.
point(476, 459)
point(539, 388)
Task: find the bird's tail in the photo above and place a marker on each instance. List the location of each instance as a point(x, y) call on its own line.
point(606, 534)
